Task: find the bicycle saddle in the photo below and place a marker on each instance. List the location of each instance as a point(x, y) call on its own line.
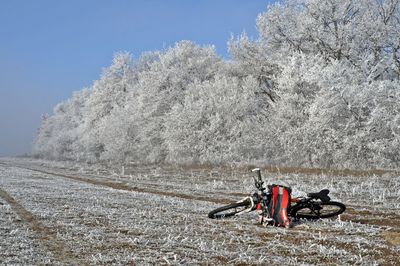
point(322, 195)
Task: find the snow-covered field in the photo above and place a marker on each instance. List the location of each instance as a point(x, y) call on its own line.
point(67, 213)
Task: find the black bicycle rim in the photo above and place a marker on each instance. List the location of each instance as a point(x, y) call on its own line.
point(326, 210)
point(229, 210)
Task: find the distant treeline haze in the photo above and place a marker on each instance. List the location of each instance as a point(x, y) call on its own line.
point(319, 87)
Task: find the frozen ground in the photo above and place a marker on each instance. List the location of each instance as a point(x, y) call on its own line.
point(67, 213)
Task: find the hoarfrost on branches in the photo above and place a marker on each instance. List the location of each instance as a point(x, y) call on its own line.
point(319, 87)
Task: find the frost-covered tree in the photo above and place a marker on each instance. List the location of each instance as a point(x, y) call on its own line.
point(319, 87)
point(164, 85)
point(253, 58)
point(60, 135)
point(377, 105)
point(318, 118)
point(109, 92)
point(218, 121)
point(44, 133)
point(296, 91)
point(365, 32)
point(120, 130)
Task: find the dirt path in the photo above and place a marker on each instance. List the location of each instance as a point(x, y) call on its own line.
point(120, 186)
point(366, 217)
point(44, 235)
point(94, 219)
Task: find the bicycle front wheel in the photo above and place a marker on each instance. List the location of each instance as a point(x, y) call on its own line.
point(229, 210)
point(318, 210)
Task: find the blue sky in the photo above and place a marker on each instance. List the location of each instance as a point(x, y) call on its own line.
point(48, 49)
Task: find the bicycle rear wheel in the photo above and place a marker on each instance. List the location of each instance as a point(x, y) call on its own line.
point(318, 210)
point(229, 210)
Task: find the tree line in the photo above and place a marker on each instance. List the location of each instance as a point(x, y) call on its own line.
point(318, 87)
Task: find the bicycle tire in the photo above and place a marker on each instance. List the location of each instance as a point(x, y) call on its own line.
point(305, 212)
point(232, 209)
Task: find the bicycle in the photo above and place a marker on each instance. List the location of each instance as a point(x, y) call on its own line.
point(314, 206)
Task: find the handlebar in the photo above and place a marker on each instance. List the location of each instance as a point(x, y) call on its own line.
point(258, 182)
point(258, 171)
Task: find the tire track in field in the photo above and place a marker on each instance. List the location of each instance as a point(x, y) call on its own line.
point(125, 187)
point(347, 216)
point(43, 233)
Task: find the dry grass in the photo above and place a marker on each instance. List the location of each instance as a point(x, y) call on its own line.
point(393, 238)
point(158, 215)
